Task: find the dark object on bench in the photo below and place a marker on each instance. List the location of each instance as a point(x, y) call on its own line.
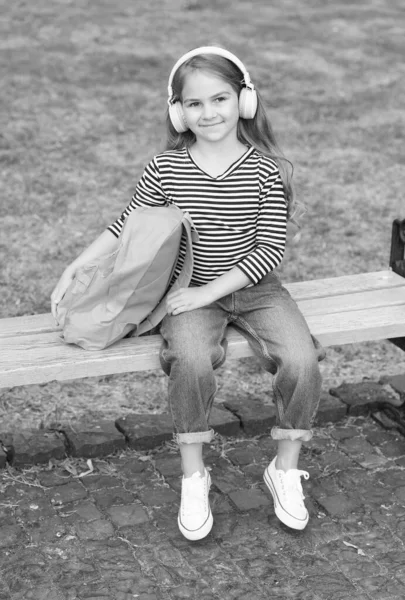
point(397, 261)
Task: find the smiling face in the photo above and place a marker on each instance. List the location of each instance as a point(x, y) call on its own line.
point(211, 106)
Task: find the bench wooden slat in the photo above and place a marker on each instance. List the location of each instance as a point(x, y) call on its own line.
point(300, 290)
point(44, 357)
point(351, 302)
point(345, 284)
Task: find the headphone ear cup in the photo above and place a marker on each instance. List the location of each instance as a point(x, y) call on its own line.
point(177, 117)
point(247, 103)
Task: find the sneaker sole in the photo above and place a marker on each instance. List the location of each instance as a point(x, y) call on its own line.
point(282, 514)
point(197, 534)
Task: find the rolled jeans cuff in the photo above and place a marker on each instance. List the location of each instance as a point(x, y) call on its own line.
point(194, 437)
point(302, 435)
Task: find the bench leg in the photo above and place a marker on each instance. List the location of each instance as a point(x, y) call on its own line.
point(397, 261)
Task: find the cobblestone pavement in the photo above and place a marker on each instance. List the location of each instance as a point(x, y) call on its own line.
point(107, 529)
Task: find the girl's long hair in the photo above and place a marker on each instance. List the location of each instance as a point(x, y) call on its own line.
point(256, 132)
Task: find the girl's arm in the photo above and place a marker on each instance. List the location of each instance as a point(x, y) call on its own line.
point(106, 243)
point(186, 299)
point(270, 238)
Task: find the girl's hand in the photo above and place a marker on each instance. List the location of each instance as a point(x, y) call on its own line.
point(186, 299)
point(60, 290)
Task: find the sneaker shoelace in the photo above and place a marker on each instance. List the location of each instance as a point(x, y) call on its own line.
point(193, 493)
point(291, 483)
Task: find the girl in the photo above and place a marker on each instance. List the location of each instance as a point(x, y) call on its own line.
point(222, 165)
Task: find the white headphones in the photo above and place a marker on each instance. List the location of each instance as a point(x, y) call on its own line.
point(247, 96)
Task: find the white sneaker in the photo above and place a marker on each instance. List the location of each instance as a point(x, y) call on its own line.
point(286, 489)
point(195, 516)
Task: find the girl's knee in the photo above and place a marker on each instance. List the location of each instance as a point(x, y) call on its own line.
point(196, 356)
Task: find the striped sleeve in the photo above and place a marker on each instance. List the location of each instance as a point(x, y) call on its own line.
point(270, 231)
point(148, 192)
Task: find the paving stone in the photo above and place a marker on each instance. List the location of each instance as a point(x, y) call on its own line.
point(393, 561)
point(390, 478)
point(54, 477)
point(307, 565)
point(266, 567)
point(143, 432)
point(362, 398)
point(173, 558)
point(100, 482)
point(400, 494)
point(236, 588)
point(382, 589)
point(317, 446)
point(95, 530)
point(373, 542)
point(249, 499)
point(357, 569)
point(7, 515)
point(255, 417)
point(330, 585)
point(46, 531)
point(183, 591)
point(30, 447)
point(227, 480)
point(334, 460)
point(41, 592)
point(102, 439)
point(174, 483)
point(254, 472)
point(338, 504)
point(397, 382)
point(130, 468)
point(127, 515)
point(353, 478)
point(85, 511)
point(356, 446)
point(372, 461)
point(219, 503)
point(158, 496)
point(246, 454)
point(331, 410)
point(386, 518)
point(112, 497)
point(379, 437)
point(371, 494)
point(323, 487)
point(344, 432)
point(32, 511)
point(223, 421)
point(21, 491)
point(168, 466)
point(10, 535)
point(394, 448)
point(70, 492)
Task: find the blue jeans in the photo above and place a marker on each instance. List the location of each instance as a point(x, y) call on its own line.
point(194, 345)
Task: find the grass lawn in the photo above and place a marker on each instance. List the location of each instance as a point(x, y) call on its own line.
point(83, 95)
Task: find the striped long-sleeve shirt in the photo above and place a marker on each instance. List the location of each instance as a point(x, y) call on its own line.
point(240, 216)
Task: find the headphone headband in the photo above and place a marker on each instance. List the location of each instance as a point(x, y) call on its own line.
point(208, 50)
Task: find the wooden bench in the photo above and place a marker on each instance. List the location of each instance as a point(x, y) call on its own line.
point(339, 310)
